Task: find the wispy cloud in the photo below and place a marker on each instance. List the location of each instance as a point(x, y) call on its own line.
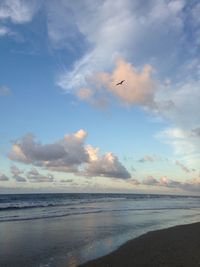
point(35, 177)
point(182, 166)
point(18, 11)
point(4, 31)
point(147, 158)
point(184, 142)
point(4, 90)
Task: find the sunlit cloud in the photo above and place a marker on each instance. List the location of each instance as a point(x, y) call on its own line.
point(69, 154)
point(137, 89)
point(107, 165)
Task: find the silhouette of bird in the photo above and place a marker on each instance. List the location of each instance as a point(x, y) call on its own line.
point(120, 82)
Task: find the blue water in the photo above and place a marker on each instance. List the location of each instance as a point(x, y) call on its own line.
point(36, 206)
point(68, 229)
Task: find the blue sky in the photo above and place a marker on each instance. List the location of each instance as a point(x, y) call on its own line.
point(67, 127)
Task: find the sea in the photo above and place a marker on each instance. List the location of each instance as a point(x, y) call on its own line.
point(57, 230)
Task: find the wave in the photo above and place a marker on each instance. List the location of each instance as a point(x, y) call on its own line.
point(78, 212)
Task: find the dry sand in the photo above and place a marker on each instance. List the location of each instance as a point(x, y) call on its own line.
point(178, 246)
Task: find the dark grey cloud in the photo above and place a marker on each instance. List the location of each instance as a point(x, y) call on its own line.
point(15, 171)
point(66, 181)
point(35, 177)
point(63, 155)
point(69, 154)
point(31, 176)
point(150, 180)
point(3, 177)
point(195, 132)
point(19, 179)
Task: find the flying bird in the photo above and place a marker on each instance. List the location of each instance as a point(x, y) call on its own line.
point(120, 82)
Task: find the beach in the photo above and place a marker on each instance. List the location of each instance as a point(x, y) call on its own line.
point(178, 246)
point(67, 230)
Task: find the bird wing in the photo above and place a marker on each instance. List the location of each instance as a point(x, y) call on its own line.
point(120, 82)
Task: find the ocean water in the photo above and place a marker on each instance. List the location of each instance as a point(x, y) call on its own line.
point(48, 230)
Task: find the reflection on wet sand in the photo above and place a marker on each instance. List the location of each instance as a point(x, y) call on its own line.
point(72, 261)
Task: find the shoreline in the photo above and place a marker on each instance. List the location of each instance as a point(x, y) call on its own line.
point(177, 246)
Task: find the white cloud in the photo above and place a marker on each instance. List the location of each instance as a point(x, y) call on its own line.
point(185, 97)
point(139, 87)
point(186, 143)
point(107, 165)
point(120, 28)
point(4, 30)
point(18, 11)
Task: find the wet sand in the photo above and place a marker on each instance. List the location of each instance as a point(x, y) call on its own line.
point(177, 246)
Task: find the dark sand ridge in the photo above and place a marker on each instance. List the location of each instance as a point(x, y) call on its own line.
point(178, 246)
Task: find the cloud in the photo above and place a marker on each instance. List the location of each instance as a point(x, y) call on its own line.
point(189, 185)
point(69, 154)
point(150, 180)
point(183, 167)
point(122, 28)
point(154, 35)
point(185, 96)
point(107, 165)
point(139, 87)
point(17, 174)
point(141, 34)
point(184, 142)
point(147, 158)
point(20, 179)
point(195, 132)
point(134, 181)
point(4, 90)
point(3, 177)
point(35, 177)
point(15, 171)
point(66, 181)
point(4, 31)
point(18, 11)
point(65, 153)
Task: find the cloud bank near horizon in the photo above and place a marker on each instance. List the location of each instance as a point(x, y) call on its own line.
point(70, 155)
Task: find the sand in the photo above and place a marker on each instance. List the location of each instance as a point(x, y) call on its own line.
point(178, 246)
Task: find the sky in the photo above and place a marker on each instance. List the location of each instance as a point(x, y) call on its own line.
point(65, 124)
